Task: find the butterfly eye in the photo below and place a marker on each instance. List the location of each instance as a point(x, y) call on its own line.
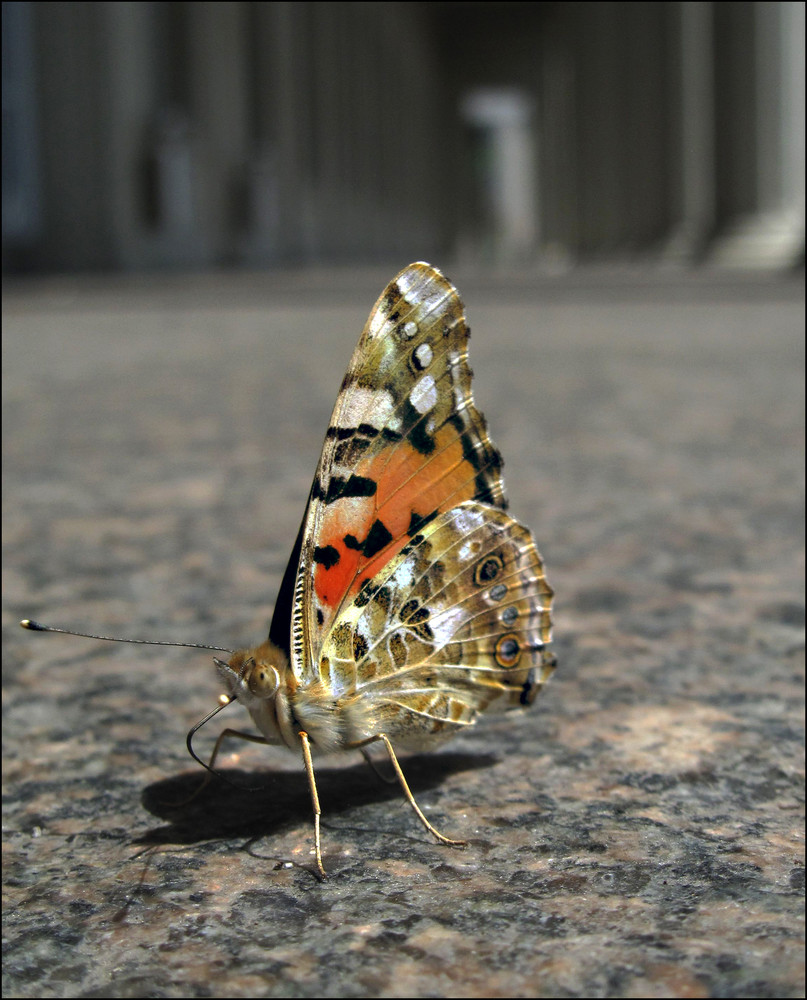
point(508, 651)
point(263, 680)
point(487, 570)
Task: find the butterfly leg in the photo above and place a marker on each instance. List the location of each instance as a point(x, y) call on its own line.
point(384, 777)
point(235, 733)
point(380, 737)
point(312, 784)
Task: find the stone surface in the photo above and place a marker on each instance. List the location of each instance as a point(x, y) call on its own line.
point(638, 833)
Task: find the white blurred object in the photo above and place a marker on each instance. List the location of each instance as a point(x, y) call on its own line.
point(503, 118)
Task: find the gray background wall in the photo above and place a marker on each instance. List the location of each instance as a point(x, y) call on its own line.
point(143, 135)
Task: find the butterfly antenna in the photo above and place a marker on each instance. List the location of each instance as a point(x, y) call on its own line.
point(39, 627)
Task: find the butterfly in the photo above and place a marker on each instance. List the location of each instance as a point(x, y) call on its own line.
point(412, 601)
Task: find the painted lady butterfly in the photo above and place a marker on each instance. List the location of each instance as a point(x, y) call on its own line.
point(411, 602)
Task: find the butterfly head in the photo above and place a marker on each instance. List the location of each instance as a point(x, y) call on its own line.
point(254, 675)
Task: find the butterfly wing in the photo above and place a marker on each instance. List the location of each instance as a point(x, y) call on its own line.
point(405, 444)
point(456, 624)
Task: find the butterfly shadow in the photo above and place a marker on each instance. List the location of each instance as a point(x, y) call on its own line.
point(256, 804)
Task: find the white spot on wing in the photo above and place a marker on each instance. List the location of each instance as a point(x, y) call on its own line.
point(424, 395)
point(366, 406)
point(467, 520)
point(377, 325)
point(424, 355)
point(444, 625)
point(422, 290)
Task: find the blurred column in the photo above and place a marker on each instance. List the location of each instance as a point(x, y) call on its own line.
point(505, 170)
point(772, 235)
point(331, 132)
point(139, 198)
point(72, 84)
point(273, 138)
point(176, 191)
point(218, 122)
point(22, 216)
point(693, 116)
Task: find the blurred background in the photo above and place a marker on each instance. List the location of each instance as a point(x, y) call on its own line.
point(200, 203)
point(191, 135)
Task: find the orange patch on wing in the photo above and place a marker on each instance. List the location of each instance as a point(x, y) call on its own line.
point(425, 483)
point(409, 483)
point(348, 516)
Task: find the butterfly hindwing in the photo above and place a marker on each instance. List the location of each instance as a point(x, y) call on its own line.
point(405, 444)
point(456, 624)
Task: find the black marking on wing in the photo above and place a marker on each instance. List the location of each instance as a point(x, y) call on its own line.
point(378, 537)
point(392, 296)
point(383, 598)
point(417, 435)
point(326, 555)
point(417, 522)
point(484, 494)
point(348, 453)
point(416, 618)
point(488, 571)
point(363, 430)
point(338, 487)
point(359, 646)
point(362, 599)
point(340, 433)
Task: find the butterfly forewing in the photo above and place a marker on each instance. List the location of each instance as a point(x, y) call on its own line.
point(405, 444)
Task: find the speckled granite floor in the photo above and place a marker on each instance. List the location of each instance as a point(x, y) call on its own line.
point(638, 833)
